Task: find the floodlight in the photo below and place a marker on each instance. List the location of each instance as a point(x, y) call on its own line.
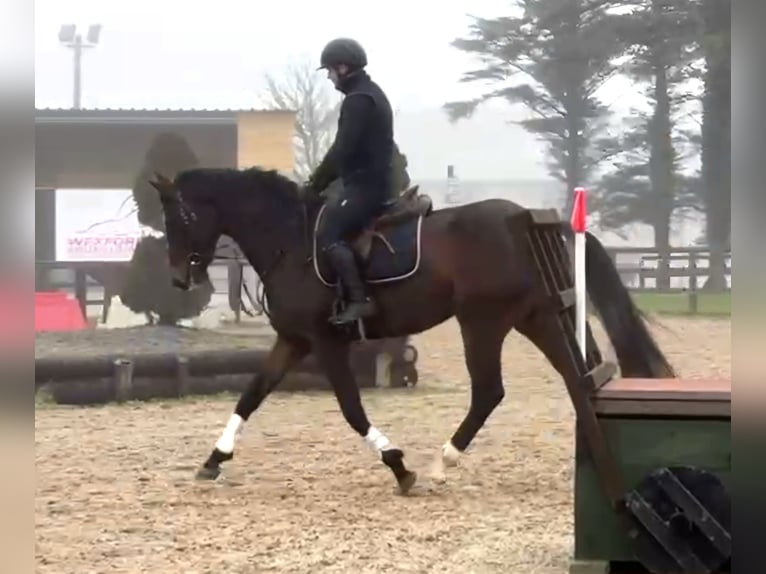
point(66, 33)
point(69, 36)
point(93, 33)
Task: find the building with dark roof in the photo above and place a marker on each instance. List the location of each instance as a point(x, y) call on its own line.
point(106, 148)
point(109, 148)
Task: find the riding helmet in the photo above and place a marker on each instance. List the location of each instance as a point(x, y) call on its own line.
point(343, 51)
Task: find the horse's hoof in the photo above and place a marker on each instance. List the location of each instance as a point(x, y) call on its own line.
point(208, 473)
point(449, 462)
point(211, 470)
point(394, 459)
point(407, 481)
point(437, 475)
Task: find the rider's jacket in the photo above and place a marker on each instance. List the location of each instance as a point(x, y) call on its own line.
point(364, 145)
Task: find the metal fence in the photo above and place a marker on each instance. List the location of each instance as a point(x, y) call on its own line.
point(95, 283)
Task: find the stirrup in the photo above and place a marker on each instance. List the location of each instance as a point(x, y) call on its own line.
point(340, 307)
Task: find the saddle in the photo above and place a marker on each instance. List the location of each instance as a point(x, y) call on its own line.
point(408, 205)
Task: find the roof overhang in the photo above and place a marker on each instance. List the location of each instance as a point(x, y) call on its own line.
point(186, 117)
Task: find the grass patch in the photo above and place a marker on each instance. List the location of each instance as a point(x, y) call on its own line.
point(708, 304)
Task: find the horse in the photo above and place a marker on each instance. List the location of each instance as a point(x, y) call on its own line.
point(424, 266)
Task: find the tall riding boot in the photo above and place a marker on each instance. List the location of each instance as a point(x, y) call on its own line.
point(358, 304)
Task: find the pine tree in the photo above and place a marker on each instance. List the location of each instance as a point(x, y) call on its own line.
point(552, 58)
point(716, 135)
point(646, 184)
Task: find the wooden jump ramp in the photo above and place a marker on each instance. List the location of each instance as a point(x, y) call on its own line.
point(652, 456)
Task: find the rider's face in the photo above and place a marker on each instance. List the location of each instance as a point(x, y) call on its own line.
point(332, 74)
point(335, 74)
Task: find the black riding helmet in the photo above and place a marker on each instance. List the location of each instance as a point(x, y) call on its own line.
point(343, 51)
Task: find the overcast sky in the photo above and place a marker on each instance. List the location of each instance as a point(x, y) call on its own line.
point(179, 53)
point(213, 54)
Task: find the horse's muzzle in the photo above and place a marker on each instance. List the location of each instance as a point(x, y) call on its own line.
point(181, 284)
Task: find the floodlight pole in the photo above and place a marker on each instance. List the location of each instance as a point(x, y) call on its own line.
point(77, 46)
point(73, 39)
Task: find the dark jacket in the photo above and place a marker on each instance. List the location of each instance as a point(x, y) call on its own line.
point(362, 154)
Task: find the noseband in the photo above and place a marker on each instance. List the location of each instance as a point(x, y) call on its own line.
point(194, 259)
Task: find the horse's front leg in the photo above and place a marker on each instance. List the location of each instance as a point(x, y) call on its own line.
point(285, 354)
point(333, 357)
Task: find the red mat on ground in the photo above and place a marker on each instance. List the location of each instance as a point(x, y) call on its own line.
point(57, 311)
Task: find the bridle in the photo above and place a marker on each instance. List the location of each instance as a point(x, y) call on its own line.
point(195, 259)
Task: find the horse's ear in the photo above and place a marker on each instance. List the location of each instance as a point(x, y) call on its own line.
point(162, 179)
point(161, 183)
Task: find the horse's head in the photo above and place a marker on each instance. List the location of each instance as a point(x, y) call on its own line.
point(192, 227)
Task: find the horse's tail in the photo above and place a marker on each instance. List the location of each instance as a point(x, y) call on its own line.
point(637, 352)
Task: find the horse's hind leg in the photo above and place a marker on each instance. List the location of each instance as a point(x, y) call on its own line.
point(333, 356)
point(483, 336)
point(285, 354)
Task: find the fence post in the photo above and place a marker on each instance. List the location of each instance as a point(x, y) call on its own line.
point(122, 380)
point(81, 290)
point(693, 294)
point(182, 376)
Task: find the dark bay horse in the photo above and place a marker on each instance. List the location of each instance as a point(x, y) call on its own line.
point(471, 266)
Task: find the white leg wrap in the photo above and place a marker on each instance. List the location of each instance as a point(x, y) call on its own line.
point(450, 454)
point(376, 440)
point(447, 456)
point(229, 434)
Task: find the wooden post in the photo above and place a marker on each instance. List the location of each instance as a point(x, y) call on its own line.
point(106, 304)
point(641, 273)
point(182, 376)
point(122, 380)
point(693, 294)
point(588, 567)
point(81, 291)
point(383, 361)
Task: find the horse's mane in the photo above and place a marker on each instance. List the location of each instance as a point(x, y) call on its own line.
point(286, 195)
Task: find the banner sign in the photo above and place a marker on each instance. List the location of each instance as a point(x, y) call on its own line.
point(96, 225)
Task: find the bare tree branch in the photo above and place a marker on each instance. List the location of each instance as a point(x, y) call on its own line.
point(304, 90)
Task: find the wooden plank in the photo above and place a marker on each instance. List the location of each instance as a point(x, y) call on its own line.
point(650, 408)
point(544, 216)
point(547, 247)
point(605, 567)
point(666, 389)
point(601, 375)
point(664, 397)
point(588, 567)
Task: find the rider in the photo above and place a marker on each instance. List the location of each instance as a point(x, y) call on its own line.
point(362, 157)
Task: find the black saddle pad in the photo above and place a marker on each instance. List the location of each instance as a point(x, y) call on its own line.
point(393, 259)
